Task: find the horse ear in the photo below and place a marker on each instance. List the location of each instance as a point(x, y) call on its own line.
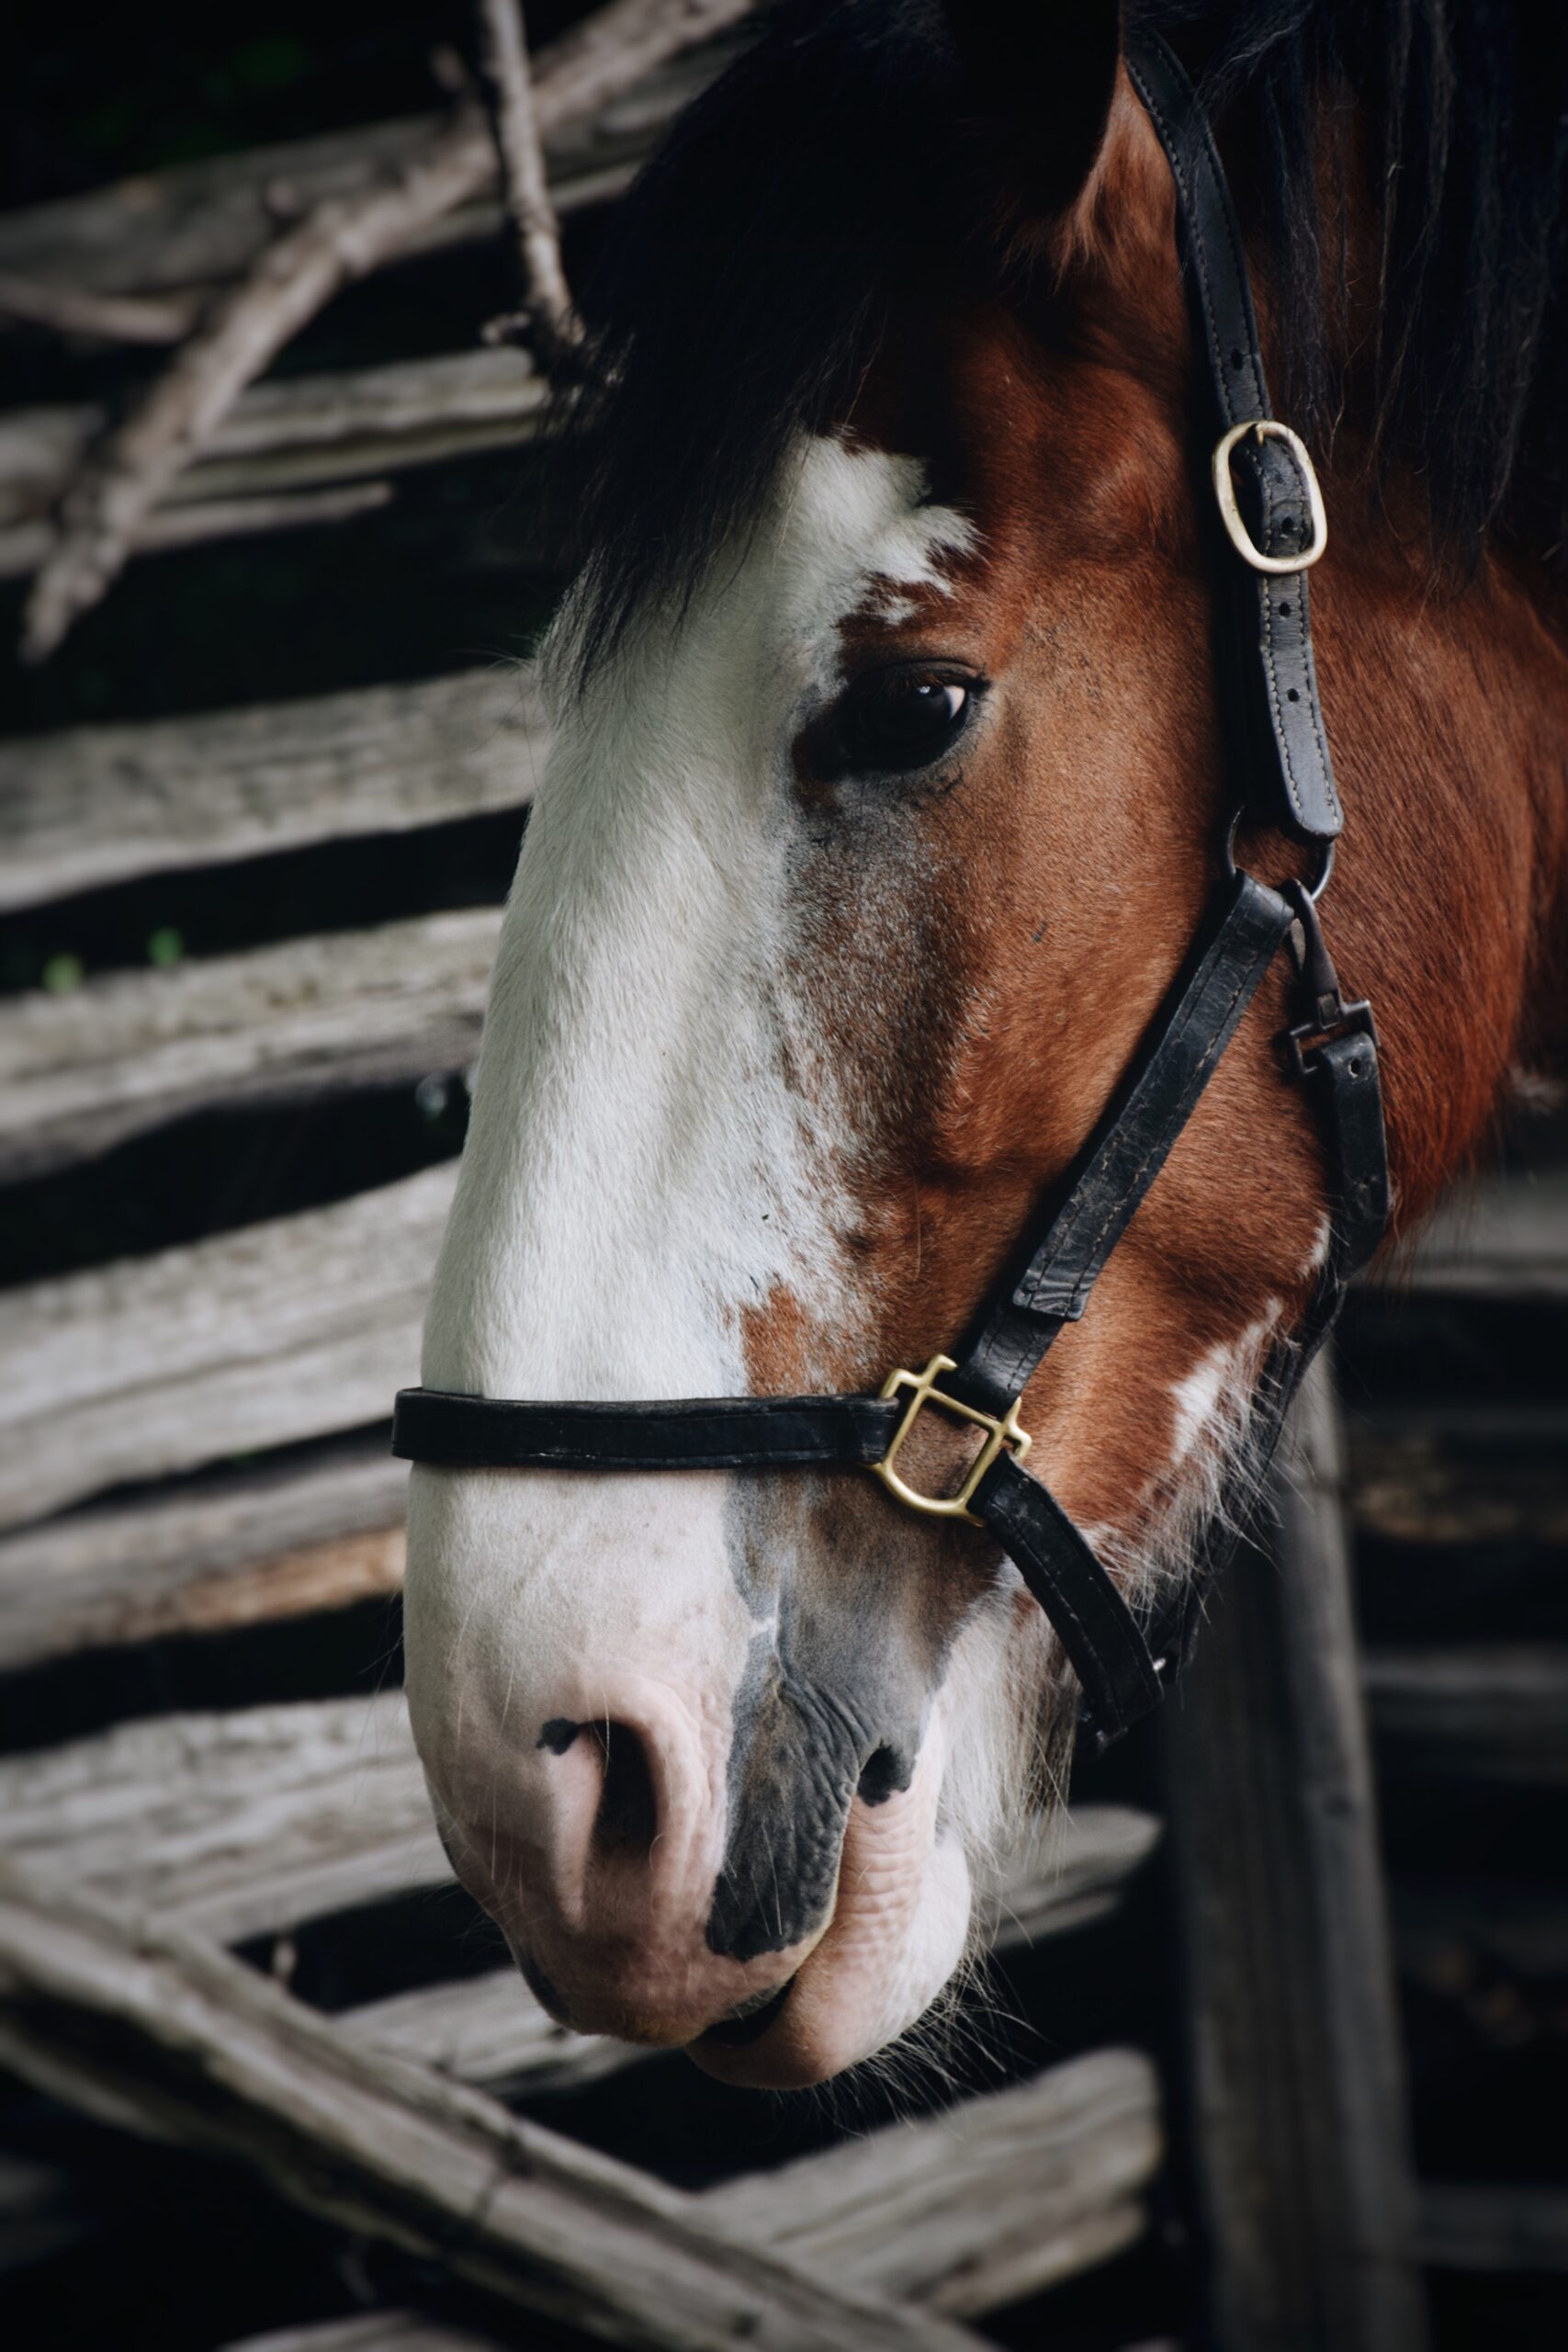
point(1041, 75)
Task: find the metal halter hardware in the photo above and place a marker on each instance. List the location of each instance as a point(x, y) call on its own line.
point(1278, 746)
point(1002, 1433)
point(1261, 429)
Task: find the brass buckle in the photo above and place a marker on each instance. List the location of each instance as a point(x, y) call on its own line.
point(999, 1435)
point(1264, 429)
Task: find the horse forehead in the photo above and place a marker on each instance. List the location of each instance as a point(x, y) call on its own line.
point(851, 513)
point(845, 520)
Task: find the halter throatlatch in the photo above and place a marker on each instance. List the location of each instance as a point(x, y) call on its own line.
point(1271, 510)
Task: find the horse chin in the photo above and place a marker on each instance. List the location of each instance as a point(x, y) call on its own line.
point(895, 1941)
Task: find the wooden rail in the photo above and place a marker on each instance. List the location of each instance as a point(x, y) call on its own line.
point(1503, 1239)
point(192, 226)
point(963, 2210)
point(1303, 2179)
point(274, 1539)
point(1475, 1474)
point(1494, 2225)
point(983, 2205)
point(234, 1824)
point(99, 805)
point(291, 436)
point(371, 2332)
point(82, 1072)
point(1484, 1711)
point(285, 1330)
point(151, 2030)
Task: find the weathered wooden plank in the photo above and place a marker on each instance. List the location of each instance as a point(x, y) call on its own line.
point(25, 546)
point(998, 2198)
point(97, 805)
point(1503, 1239)
point(1494, 2225)
point(233, 1824)
point(1069, 1871)
point(278, 1539)
point(1297, 2099)
point(82, 1072)
point(1482, 1474)
point(1487, 1713)
point(151, 2030)
point(191, 225)
point(285, 1330)
point(488, 2029)
point(370, 2332)
point(963, 2211)
point(297, 433)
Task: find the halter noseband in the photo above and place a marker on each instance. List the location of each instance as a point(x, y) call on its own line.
point(1272, 512)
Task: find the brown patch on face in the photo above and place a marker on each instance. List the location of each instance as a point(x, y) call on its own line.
point(989, 943)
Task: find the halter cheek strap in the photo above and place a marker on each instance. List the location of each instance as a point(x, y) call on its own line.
point(1272, 514)
point(1266, 490)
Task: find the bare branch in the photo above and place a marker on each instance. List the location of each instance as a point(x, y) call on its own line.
point(150, 2030)
point(546, 321)
point(604, 53)
point(108, 318)
point(337, 241)
point(135, 467)
point(195, 225)
point(25, 546)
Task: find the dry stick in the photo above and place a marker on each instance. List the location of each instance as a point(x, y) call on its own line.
point(148, 2030)
point(341, 240)
point(546, 319)
point(109, 318)
point(136, 464)
point(26, 545)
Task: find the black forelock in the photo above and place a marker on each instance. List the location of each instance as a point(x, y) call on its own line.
point(747, 284)
point(753, 266)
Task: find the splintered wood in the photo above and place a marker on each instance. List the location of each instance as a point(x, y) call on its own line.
point(341, 239)
point(82, 1072)
point(99, 805)
point(284, 1330)
point(157, 2032)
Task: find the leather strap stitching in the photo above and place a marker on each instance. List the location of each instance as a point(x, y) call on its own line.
point(1029, 1288)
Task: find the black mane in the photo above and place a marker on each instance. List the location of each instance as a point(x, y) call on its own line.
point(748, 280)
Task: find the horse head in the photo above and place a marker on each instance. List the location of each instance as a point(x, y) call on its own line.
point(887, 776)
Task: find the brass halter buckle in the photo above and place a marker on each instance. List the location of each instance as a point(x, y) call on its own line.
point(999, 1435)
point(1264, 429)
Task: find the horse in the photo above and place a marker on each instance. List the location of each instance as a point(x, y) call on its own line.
point(889, 780)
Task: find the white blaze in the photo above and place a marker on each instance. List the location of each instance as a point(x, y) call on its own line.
point(637, 1170)
point(640, 1168)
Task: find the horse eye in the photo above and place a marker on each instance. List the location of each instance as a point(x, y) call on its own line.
point(892, 724)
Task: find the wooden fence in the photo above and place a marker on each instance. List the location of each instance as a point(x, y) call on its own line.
point(194, 1444)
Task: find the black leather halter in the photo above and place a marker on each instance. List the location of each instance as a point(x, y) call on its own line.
point(1272, 515)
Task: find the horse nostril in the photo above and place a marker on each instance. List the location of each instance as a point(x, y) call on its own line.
point(627, 1818)
point(884, 1773)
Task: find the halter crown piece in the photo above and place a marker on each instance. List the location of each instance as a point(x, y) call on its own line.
point(1272, 512)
